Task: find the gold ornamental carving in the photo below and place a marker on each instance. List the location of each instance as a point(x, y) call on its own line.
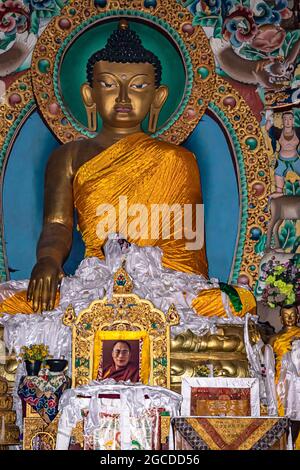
point(8, 417)
point(35, 427)
point(11, 436)
point(122, 281)
point(221, 354)
point(254, 173)
point(123, 312)
point(10, 113)
point(9, 432)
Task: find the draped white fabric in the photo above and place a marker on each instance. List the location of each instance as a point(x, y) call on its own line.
point(94, 278)
point(288, 387)
point(133, 400)
point(262, 367)
point(269, 360)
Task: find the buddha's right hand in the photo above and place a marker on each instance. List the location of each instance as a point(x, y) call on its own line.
point(44, 281)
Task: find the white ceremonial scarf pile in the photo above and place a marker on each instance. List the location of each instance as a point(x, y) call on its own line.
point(94, 279)
point(132, 403)
point(262, 366)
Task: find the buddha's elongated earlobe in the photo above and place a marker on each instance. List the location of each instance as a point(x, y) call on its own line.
point(90, 106)
point(160, 97)
point(91, 113)
point(153, 119)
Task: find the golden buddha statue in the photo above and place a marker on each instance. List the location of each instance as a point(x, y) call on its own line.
point(124, 87)
point(281, 342)
point(286, 387)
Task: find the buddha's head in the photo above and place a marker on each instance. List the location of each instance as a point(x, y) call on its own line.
point(123, 83)
point(289, 316)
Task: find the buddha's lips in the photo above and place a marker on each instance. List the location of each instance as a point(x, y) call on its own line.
point(123, 109)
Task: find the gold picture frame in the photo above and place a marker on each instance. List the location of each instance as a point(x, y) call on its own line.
point(128, 336)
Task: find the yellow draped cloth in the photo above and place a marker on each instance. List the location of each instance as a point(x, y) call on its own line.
point(149, 173)
point(136, 174)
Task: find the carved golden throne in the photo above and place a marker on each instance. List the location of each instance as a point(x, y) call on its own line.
point(168, 359)
point(163, 361)
point(125, 316)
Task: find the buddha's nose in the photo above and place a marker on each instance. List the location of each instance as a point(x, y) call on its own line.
point(123, 95)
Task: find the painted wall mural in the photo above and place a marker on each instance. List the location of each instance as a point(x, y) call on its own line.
point(21, 23)
point(255, 45)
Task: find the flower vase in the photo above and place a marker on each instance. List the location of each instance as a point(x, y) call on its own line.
point(33, 367)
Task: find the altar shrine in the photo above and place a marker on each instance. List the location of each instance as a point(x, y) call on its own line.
point(150, 234)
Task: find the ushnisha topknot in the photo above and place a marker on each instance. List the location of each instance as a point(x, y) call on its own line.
point(124, 46)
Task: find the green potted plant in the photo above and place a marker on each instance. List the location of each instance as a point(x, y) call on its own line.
point(33, 356)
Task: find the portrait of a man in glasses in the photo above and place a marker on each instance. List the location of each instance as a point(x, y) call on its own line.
point(122, 366)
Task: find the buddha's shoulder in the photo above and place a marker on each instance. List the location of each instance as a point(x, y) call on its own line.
point(173, 149)
point(66, 151)
point(274, 338)
point(72, 154)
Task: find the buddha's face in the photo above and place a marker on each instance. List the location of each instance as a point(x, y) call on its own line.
point(289, 316)
point(124, 93)
point(121, 355)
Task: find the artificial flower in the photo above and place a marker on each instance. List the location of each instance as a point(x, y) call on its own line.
point(239, 26)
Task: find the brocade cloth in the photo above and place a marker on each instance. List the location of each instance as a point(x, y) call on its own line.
point(228, 433)
point(43, 392)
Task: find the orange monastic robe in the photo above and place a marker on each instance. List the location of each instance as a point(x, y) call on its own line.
point(143, 171)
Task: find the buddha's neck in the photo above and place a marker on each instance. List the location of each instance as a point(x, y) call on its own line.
point(286, 328)
point(110, 135)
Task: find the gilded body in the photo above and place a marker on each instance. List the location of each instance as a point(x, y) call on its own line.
point(289, 318)
point(222, 341)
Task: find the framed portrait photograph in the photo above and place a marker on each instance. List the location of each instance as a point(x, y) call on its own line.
point(207, 396)
point(122, 356)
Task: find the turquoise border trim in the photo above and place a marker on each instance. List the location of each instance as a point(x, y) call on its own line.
point(243, 191)
point(137, 14)
point(28, 108)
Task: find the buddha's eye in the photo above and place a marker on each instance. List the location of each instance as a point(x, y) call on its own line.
point(139, 86)
point(107, 84)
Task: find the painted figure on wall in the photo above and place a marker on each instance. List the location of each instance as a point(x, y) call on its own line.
point(21, 22)
point(286, 141)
